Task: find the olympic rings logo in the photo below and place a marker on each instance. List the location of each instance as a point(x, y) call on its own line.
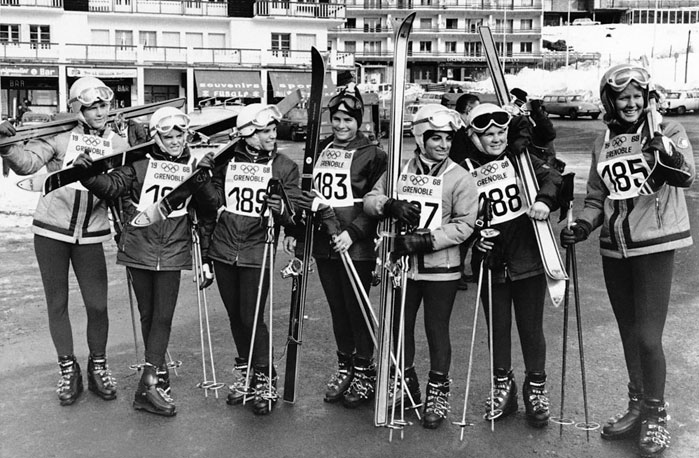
point(618, 141)
point(170, 168)
point(489, 168)
point(419, 180)
point(333, 154)
point(251, 169)
point(92, 141)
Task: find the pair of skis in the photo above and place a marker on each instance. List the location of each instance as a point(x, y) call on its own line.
point(556, 275)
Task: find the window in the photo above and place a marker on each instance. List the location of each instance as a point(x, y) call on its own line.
point(426, 2)
point(281, 42)
point(124, 38)
point(147, 39)
point(305, 41)
point(9, 33)
point(372, 47)
point(195, 40)
point(40, 36)
point(473, 48)
point(499, 25)
point(452, 23)
point(426, 23)
point(526, 24)
point(425, 46)
point(372, 24)
point(100, 36)
point(153, 93)
point(171, 39)
point(350, 46)
point(217, 40)
point(450, 46)
point(525, 47)
point(351, 23)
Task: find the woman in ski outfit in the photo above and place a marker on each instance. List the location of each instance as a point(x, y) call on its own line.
point(348, 166)
point(69, 227)
point(634, 192)
point(154, 255)
point(234, 242)
point(514, 261)
point(436, 208)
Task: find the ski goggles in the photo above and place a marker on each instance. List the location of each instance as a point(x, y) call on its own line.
point(484, 121)
point(348, 100)
point(167, 124)
point(264, 117)
point(92, 95)
point(622, 77)
point(442, 119)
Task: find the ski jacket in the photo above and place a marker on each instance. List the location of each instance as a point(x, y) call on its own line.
point(237, 239)
point(66, 214)
point(368, 164)
point(644, 224)
point(459, 209)
point(516, 255)
point(165, 245)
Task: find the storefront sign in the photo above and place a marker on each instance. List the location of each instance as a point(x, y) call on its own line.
point(46, 71)
point(103, 72)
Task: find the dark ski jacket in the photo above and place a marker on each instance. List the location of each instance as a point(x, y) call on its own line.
point(166, 245)
point(236, 239)
point(516, 253)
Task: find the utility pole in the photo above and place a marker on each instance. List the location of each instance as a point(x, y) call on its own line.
point(686, 55)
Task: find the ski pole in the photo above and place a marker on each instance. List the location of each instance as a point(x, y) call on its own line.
point(129, 285)
point(400, 353)
point(561, 420)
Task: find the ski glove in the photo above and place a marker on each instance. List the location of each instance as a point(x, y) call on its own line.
point(275, 204)
point(329, 221)
point(670, 164)
point(207, 273)
point(403, 211)
point(7, 129)
point(577, 232)
point(207, 162)
point(83, 160)
point(413, 244)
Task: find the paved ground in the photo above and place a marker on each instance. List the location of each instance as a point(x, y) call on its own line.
point(33, 424)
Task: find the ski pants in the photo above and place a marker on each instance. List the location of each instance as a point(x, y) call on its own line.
point(156, 293)
point(438, 297)
point(238, 287)
point(349, 326)
point(54, 257)
point(527, 297)
point(639, 291)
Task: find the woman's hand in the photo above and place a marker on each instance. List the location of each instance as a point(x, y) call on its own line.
point(539, 211)
point(342, 242)
point(289, 245)
point(484, 245)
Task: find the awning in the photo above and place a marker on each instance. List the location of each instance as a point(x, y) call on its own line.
point(284, 83)
point(228, 83)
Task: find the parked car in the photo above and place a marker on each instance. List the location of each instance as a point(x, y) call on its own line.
point(408, 116)
point(294, 125)
point(585, 21)
point(430, 97)
point(570, 105)
point(680, 102)
point(32, 118)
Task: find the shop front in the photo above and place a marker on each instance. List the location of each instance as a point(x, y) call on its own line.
point(120, 80)
point(37, 85)
point(220, 86)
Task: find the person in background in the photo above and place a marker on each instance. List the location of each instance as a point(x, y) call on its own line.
point(23, 108)
point(639, 168)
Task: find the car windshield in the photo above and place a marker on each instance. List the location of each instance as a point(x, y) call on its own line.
point(672, 95)
point(576, 98)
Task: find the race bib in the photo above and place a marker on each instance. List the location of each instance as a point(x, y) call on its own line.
point(93, 145)
point(497, 180)
point(331, 177)
point(161, 178)
point(246, 187)
point(426, 191)
point(623, 168)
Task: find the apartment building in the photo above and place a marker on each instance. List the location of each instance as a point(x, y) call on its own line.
point(152, 50)
point(445, 43)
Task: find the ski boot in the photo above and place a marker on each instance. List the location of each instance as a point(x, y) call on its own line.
point(99, 378)
point(152, 394)
point(536, 401)
point(340, 380)
point(70, 384)
point(654, 438)
point(265, 391)
point(413, 386)
point(363, 385)
point(504, 402)
point(237, 389)
point(625, 424)
point(436, 400)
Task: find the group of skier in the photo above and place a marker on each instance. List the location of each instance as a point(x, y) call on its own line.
point(634, 193)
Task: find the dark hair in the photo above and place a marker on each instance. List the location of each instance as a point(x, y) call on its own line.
point(463, 101)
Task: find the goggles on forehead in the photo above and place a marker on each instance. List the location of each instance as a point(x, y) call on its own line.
point(483, 122)
point(94, 94)
point(621, 78)
point(168, 123)
point(350, 101)
point(264, 117)
point(442, 119)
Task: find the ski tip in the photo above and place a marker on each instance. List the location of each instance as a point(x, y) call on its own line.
point(148, 216)
point(32, 184)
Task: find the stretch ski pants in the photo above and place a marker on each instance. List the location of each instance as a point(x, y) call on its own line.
point(54, 257)
point(349, 326)
point(238, 287)
point(438, 297)
point(156, 293)
point(639, 291)
point(527, 297)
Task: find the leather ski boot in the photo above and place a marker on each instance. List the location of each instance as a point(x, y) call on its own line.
point(265, 391)
point(99, 378)
point(504, 402)
point(152, 394)
point(340, 380)
point(237, 389)
point(654, 437)
point(436, 400)
point(70, 385)
point(536, 401)
point(412, 386)
point(363, 385)
point(626, 424)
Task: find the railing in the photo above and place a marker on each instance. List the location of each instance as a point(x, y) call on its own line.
point(447, 56)
point(444, 4)
point(178, 7)
point(298, 9)
point(40, 3)
point(29, 51)
point(442, 30)
point(651, 4)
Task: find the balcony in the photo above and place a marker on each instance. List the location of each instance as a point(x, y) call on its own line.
point(175, 7)
point(422, 5)
point(282, 8)
point(648, 4)
point(38, 3)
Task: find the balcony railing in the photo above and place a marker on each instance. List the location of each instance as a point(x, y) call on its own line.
point(433, 30)
point(648, 4)
point(178, 7)
point(443, 4)
point(40, 3)
point(300, 10)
